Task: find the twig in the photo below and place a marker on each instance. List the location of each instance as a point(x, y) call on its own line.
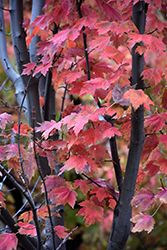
point(19, 125)
point(63, 100)
point(66, 238)
point(43, 181)
point(24, 205)
point(3, 84)
point(84, 39)
point(97, 184)
point(30, 200)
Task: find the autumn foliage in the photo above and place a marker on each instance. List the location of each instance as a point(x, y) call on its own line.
point(87, 46)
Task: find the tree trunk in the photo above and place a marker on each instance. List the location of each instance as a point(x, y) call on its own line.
point(122, 213)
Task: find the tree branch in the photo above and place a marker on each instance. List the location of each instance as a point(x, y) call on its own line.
point(30, 200)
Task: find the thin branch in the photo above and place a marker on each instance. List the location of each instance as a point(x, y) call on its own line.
point(7, 218)
point(66, 238)
point(30, 200)
point(43, 181)
point(3, 84)
point(84, 40)
point(24, 205)
point(63, 101)
point(97, 184)
point(115, 157)
point(19, 125)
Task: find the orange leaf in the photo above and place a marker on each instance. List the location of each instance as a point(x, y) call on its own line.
point(24, 129)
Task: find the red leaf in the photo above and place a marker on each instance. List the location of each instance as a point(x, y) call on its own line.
point(80, 163)
point(100, 192)
point(113, 53)
point(71, 76)
point(64, 195)
point(91, 135)
point(53, 181)
point(153, 75)
point(29, 67)
point(24, 129)
point(162, 163)
point(153, 124)
point(4, 119)
point(137, 98)
point(163, 139)
point(60, 37)
point(144, 199)
point(2, 203)
point(92, 85)
point(26, 228)
point(8, 241)
point(100, 42)
point(98, 152)
point(48, 128)
point(162, 195)
point(61, 231)
point(104, 26)
point(91, 212)
point(143, 222)
point(82, 184)
point(164, 99)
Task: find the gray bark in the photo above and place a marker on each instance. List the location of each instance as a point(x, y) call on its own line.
point(10, 72)
point(122, 213)
point(22, 57)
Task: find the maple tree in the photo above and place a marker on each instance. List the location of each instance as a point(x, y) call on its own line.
point(112, 56)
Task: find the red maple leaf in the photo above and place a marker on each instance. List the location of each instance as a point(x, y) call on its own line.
point(26, 228)
point(164, 98)
point(137, 98)
point(80, 163)
point(2, 203)
point(4, 119)
point(98, 152)
point(24, 129)
point(82, 184)
point(61, 231)
point(63, 195)
point(48, 127)
point(144, 199)
point(143, 222)
point(29, 67)
point(154, 75)
point(162, 163)
point(8, 241)
point(153, 124)
point(91, 212)
point(162, 195)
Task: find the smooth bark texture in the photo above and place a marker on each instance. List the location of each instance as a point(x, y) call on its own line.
point(10, 72)
point(122, 213)
point(22, 57)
